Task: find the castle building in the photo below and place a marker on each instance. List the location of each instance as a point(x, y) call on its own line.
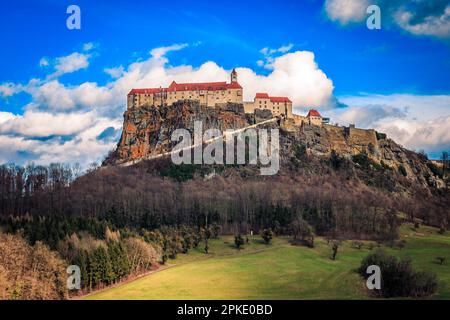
point(278, 105)
point(209, 94)
point(312, 118)
point(212, 94)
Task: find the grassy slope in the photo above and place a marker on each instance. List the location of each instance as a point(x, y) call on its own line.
point(279, 271)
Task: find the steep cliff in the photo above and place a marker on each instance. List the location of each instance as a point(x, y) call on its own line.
point(147, 132)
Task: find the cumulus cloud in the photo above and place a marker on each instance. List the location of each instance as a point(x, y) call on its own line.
point(56, 96)
point(420, 17)
point(415, 121)
point(8, 89)
point(116, 72)
point(295, 75)
point(21, 150)
point(6, 116)
point(71, 63)
point(43, 124)
point(432, 25)
point(346, 11)
point(54, 137)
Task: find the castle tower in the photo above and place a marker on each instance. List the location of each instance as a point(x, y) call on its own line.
point(233, 76)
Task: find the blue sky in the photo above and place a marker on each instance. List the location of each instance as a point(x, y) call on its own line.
point(395, 79)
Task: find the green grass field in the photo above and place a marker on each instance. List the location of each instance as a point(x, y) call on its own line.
point(279, 271)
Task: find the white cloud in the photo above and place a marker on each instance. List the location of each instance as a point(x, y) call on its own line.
point(84, 151)
point(44, 124)
point(414, 121)
point(295, 75)
point(6, 116)
point(88, 46)
point(71, 63)
point(346, 11)
point(421, 17)
point(44, 62)
point(116, 72)
point(19, 137)
point(56, 96)
point(8, 89)
point(270, 55)
point(162, 51)
point(438, 26)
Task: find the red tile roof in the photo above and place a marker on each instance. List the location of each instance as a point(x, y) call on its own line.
point(211, 86)
point(262, 96)
point(280, 99)
point(313, 113)
point(145, 90)
point(272, 99)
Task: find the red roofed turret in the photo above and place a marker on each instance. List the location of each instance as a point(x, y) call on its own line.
point(314, 113)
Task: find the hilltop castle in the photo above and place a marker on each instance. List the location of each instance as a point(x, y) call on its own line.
point(212, 94)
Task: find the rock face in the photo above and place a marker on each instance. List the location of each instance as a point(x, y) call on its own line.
point(147, 132)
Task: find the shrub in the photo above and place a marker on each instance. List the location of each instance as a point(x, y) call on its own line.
point(238, 241)
point(398, 279)
point(267, 235)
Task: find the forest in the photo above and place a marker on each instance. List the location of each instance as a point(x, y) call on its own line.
point(116, 222)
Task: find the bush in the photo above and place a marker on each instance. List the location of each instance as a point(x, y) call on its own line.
point(267, 235)
point(398, 279)
point(238, 241)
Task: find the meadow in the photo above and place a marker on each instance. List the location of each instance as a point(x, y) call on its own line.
point(281, 270)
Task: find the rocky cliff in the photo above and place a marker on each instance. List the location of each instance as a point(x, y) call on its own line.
point(147, 132)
